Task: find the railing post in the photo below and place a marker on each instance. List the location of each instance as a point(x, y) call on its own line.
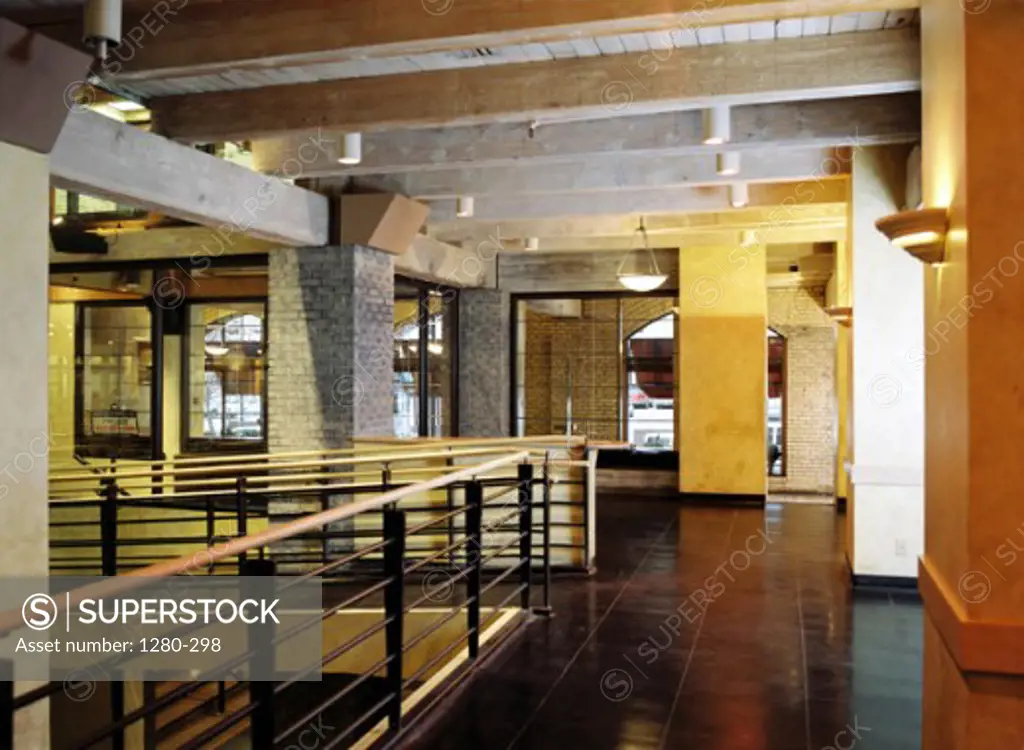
point(394, 603)
point(211, 530)
point(242, 508)
point(474, 546)
point(262, 659)
point(108, 567)
point(108, 528)
point(6, 703)
point(525, 530)
point(546, 534)
point(449, 509)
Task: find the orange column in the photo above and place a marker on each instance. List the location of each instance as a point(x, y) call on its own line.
point(972, 572)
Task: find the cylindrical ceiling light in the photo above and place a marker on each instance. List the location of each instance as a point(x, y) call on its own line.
point(351, 149)
point(532, 243)
point(739, 195)
point(102, 25)
point(728, 163)
point(464, 206)
point(717, 125)
point(748, 238)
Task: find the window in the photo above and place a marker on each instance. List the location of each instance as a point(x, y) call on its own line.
point(650, 358)
point(425, 363)
point(776, 408)
point(114, 371)
point(226, 377)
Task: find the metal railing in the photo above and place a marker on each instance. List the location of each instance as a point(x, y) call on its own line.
point(474, 536)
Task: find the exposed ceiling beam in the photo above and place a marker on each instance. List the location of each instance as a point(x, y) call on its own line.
point(863, 121)
point(833, 232)
point(429, 259)
point(769, 221)
point(236, 35)
point(858, 64)
point(667, 200)
point(100, 156)
point(611, 173)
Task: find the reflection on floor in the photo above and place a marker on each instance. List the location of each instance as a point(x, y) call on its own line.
point(802, 498)
point(784, 658)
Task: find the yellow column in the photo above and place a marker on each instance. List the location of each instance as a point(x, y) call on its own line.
point(972, 572)
point(723, 306)
point(24, 438)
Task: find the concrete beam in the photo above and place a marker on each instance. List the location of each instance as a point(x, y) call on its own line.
point(857, 121)
point(100, 156)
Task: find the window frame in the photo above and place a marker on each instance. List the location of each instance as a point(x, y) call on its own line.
point(451, 333)
point(208, 445)
point(87, 446)
point(784, 389)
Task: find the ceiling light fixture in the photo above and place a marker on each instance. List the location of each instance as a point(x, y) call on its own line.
point(532, 243)
point(921, 232)
point(728, 163)
point(717, 125)
point(748, 238)
point(464, 206)
point(351, 149)
point(739, 195)
point(639, 270)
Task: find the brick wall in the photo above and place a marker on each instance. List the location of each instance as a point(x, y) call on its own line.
point(581, 357)
point(810, 430)
point(484, 374)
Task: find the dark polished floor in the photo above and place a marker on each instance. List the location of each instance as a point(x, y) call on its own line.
point(785, 657)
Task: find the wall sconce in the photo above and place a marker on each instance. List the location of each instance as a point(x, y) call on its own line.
point(921, 232)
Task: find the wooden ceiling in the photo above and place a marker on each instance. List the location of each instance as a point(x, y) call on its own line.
point(566, 121)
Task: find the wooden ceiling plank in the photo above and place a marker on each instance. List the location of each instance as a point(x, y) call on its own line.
point(231, 33)
point(886, 61)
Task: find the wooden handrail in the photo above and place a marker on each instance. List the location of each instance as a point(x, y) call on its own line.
point(370, 445)
point(12, 620)
point(388, 458)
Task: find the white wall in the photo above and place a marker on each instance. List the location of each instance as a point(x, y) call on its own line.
point(24, 437)
point(888, 377)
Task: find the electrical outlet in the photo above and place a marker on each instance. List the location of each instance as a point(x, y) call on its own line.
point(901, 548)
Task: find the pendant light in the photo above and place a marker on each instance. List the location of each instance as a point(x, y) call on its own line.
point(639, 270)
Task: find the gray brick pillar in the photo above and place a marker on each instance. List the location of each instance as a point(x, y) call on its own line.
point(330, 348)
point(484, 362)
point(331, 325)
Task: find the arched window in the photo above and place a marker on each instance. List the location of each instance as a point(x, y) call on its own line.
point(650, 384)
point(775, 437)
point(227, 382)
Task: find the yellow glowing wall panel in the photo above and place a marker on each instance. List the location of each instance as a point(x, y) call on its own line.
point(723, 306)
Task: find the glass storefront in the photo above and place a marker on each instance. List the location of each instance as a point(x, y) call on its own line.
point(136, 378)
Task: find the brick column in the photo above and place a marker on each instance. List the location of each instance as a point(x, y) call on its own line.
point(484, 362)
point(330, 348)
point(331, 312)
